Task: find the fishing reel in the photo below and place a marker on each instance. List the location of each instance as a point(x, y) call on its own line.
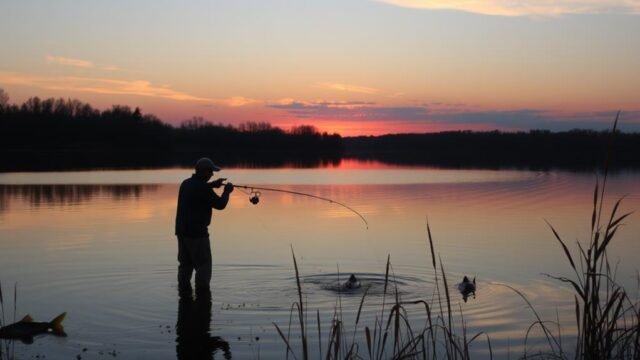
point(254, 197)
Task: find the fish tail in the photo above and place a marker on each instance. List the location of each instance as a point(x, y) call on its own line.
point(56, 325)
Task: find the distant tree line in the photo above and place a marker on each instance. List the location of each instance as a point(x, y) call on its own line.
point(55, 134)
point(535, 149)
point(62, 134)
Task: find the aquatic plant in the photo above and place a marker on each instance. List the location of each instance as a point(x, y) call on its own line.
point(607, 319)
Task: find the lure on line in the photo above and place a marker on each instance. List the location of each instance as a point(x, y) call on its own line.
point(254, 198)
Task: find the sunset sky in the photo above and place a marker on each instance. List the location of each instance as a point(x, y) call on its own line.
point(348, 66)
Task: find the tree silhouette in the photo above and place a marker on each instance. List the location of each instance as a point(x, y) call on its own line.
point(4, 99)
point(57, 134)
point(536, 149)
point(51, 134)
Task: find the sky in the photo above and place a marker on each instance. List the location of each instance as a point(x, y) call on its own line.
point(355, 67)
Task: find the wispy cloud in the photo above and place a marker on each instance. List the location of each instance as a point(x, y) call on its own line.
point(78, 63)
point(238, 101)
point(70, 62)
point(114, 87)
point(291, 104)
point(110, 67)
point(526, 119)
point(348, 88)
point(525, 7)
point(397, 95)
point(98, 86)
point(344, 110)
point(350, 110)
point(458, 116)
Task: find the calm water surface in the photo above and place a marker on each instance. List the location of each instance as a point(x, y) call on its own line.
point(100, 246)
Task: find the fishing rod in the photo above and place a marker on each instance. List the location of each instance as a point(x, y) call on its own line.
point(254, 198)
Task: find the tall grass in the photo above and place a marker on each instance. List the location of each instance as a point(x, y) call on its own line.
point(2, 320)
point(607, 319)
point(7, 347)
point(391, 336)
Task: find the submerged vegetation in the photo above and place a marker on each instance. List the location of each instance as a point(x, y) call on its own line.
point(607, 319)
point(63, 134)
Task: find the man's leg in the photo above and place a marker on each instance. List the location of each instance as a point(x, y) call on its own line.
point(202, 259)
point(185, 263)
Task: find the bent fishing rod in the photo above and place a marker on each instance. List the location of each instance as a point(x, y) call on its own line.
point(254, 198)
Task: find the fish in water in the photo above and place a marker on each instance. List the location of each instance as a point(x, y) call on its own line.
point(467, 287)
point(352, 283)
point(26, 329)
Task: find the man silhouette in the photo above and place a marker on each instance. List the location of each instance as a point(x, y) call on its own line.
point(196, 200)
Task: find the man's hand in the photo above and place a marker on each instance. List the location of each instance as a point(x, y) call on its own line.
point(228, 188)
point(217, 183)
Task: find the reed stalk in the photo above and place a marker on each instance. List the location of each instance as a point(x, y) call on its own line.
point(606, 317)
point(7, 348)
point(391, 336)
point(2, 321)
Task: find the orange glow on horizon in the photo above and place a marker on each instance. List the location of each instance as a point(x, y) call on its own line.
point(377, 128)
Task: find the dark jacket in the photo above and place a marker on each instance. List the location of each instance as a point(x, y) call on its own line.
point(195, 201)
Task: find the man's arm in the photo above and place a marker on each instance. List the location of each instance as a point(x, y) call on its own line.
point(217, 183)
point(220, 202)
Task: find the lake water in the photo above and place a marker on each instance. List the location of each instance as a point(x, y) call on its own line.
point(100, 246)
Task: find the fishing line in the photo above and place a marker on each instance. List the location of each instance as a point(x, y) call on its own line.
point(254, 198)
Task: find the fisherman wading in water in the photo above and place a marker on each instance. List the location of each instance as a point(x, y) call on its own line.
point(196, 200)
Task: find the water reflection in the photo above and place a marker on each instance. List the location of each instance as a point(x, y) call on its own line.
point(485, 224)
point(193, 340)
point(46, 195)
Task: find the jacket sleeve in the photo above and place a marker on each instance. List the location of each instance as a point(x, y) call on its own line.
point(219, 202)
